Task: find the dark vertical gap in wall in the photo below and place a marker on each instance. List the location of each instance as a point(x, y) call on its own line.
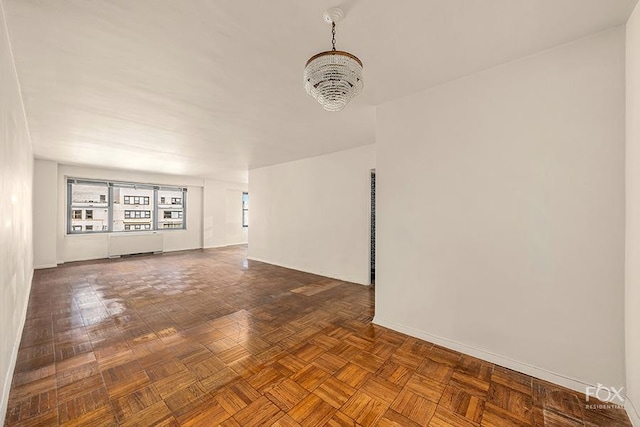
point(373, 226)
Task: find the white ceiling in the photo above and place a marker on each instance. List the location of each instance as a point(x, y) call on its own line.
point(212, 88)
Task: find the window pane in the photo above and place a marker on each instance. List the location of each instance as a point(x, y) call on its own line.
point(135, 205)
point(245, 209)
point(83, 220)
point(170, 208)
point(89, 195)
point(89, 205)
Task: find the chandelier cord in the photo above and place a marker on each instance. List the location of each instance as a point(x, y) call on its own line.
point(333, 34)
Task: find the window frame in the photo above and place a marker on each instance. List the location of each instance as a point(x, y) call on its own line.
point(147, 214)
point(137, 200)
point(135, 227)
point(245, 210)
point(151, 211)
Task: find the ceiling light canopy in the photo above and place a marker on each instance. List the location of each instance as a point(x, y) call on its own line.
point(333, 77)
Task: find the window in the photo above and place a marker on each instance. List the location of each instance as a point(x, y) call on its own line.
point(172, 214)
point(130, 227)
point(87, 205)
point(245, 209)
point(171, 225)
point(122, 206)
point(137, 214)
point(136, 200)
point(133, 201)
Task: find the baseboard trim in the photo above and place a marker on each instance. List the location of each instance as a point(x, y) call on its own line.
point(168, 251)
point(525, 368)
point(224, 246)
point(632, 412)
point(93, 258)
point(290, 267)
point(40, 267)
point(6, 387)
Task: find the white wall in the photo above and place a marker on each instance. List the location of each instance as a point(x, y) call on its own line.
point(218, 204)
point(223, 214)
point(632, 296)
point(501, 213)
point(16, 246)
point(45, 203)
point(95, 246)
point(313, 214)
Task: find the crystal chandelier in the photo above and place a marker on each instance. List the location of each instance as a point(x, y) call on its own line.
point(333, 77)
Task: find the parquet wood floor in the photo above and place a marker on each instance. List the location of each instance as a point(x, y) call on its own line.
point(205, 338)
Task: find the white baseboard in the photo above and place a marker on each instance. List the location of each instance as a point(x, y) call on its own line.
point(40, 267)
point(525, 368)
point(317, 273)
point(6, 387)
point(168, 251)
point(632, 412)
point(224, 246)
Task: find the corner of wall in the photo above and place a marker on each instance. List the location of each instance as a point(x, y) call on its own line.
point(632, 231)
point(632, 412)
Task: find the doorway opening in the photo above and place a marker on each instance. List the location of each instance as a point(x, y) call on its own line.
point(372, 272)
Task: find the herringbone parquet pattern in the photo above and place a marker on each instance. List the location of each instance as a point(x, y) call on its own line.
point(208, 338)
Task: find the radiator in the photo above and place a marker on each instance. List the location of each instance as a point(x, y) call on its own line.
point(128, 244)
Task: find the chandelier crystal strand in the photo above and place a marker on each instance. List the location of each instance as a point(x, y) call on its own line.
point(333, 77)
